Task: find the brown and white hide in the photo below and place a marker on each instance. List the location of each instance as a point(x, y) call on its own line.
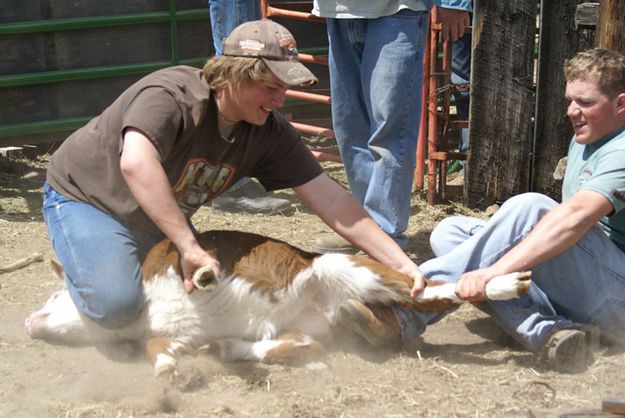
point(273, 303)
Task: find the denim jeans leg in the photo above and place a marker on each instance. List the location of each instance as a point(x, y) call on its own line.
point(101, 259)
point(376, 76)
point(528, 319)
point(587, 283)
point(583, 285)
point(461, 74)
point(453, 231)
point(225, 15)
point(350, 118)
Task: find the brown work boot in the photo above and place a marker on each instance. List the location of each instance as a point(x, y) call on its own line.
point(571, 350)
point(376, 324)
point(333, 243)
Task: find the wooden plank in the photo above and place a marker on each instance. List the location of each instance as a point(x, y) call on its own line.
point(568, 413)
point(613, 405)
point(611, 28)
point(501, 107)
point(560, 39)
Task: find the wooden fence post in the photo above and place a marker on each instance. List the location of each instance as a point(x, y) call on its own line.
point(502, 106)
point(560, 38)
point(611, 27)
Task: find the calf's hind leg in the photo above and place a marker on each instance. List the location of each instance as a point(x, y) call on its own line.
point(295, 348)
point(288, 348)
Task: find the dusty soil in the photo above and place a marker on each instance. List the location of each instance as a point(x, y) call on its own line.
point(462, 367)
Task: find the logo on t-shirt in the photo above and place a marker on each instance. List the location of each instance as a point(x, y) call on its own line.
point(200, 182)
point(583, 177)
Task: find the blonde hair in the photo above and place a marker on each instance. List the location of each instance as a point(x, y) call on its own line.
point(222, 71)
point(603, 66)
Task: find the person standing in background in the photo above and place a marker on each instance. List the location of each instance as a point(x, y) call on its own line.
point(376, 76)
point(461, 77)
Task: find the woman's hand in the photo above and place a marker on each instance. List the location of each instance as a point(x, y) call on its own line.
point(194, 259)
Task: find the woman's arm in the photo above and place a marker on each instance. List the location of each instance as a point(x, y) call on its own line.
point(339, 210)
point(141, 168)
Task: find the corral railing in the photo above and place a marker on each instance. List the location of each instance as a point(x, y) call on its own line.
point(64, 62)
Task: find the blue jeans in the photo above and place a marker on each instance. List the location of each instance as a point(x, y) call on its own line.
point(376, 72)
point(225, 15)
point(583, 285)
point(101, 258)
point(461, 75)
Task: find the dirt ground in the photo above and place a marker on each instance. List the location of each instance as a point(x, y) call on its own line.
point(462, 366)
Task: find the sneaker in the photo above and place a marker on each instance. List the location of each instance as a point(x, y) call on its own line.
point(251, 198)
point(377, 325)
point(571, 350)
point(333, 243)
point(259, 205)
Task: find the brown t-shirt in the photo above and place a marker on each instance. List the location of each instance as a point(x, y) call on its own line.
point(175, 109)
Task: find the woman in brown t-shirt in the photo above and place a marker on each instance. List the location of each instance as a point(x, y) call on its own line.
point(170, 143)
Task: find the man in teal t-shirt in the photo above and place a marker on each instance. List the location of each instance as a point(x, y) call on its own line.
point(600, 167)
point(575, 249)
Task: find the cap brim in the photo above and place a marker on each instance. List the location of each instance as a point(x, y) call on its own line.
point(293, 73)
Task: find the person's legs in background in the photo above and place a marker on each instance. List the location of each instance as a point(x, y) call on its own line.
point(373, 63)
point(246, 195)
point(225, 15)
point(460, 76)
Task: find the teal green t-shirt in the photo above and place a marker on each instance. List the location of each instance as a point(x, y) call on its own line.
point(600, 167)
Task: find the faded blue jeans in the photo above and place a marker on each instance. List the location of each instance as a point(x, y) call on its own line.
point(225, 15)
point(583, 285)
point(376, 72)
point(101, 258)
point(461, 75)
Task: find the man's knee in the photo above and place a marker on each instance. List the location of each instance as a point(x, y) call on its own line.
point(529, 201)
point(449, 233)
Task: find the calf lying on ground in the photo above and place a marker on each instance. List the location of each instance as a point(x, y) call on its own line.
point(273, 302)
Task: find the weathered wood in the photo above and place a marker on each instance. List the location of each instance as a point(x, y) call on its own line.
point(560, 38)
point(611, 28)
point(613, 405)
point(587, 14)
point(501, 107)
point(569, 413)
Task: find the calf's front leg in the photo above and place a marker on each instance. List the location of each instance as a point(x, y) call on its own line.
point(163, 351)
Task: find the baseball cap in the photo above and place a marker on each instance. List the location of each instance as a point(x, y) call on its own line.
point(274, 44)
